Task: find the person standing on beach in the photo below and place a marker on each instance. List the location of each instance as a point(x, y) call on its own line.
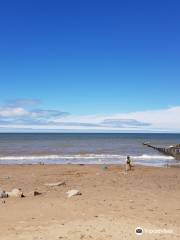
point(128, 163)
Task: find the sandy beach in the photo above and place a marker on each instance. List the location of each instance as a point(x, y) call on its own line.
point(111, 206)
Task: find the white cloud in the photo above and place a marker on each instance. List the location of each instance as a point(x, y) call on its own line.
point(152, 120)
point(10, 112)
point(166, 119)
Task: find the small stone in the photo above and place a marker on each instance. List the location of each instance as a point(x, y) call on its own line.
point(15, 193)
point(36, 193)
point(104, 167)
point(3, 194)
point(56, 184)
point(73, 192)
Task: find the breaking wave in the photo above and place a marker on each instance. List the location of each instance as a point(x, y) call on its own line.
point(145, 156)
point(82, 156)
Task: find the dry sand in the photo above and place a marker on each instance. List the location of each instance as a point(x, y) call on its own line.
point(111, 206)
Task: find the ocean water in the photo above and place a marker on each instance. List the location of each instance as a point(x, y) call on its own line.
point(81, 148)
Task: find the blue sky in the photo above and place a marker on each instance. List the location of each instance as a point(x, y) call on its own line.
point(96, 61)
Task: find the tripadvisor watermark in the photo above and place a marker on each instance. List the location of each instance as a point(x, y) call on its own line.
point(140, 231)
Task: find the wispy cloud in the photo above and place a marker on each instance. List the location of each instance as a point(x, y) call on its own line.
point(46, 113)
point(21, 112)
point(22, 102)
point(120, 123)
point(25, 116)
point(13, 112)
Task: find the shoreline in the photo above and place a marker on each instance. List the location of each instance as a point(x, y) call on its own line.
point(121, 165)
point(111, 206)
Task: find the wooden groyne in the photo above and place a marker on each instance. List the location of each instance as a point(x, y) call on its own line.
point(173, 151)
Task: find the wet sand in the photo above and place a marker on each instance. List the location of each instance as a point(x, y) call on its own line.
point(111, 206)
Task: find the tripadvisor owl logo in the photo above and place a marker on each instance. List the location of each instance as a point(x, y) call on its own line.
point(139, 231)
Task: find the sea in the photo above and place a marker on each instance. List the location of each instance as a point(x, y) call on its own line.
point(85, 148)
